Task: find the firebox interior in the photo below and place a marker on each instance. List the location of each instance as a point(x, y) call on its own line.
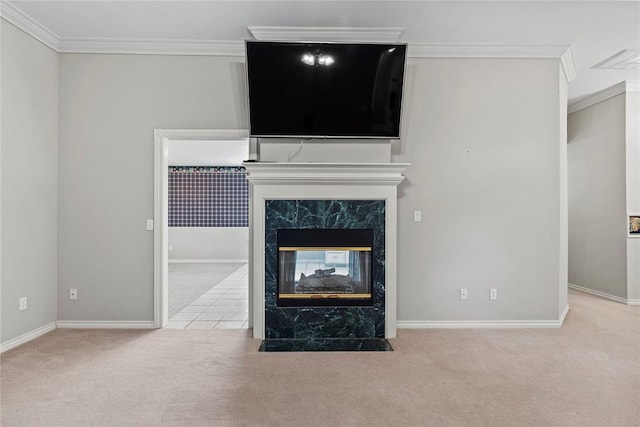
point(324, 267)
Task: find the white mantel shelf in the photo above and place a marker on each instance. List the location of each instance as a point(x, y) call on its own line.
point(316, 180)
point(291, 173)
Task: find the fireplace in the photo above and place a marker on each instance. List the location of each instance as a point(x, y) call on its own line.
point(329, 198)
point(345, 235)
point(324, 267)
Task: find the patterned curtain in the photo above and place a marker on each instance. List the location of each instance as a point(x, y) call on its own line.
point(212, 196)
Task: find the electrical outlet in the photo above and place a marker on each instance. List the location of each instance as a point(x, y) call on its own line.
point(463, 293)
point(73, 294)
point(417, 216)
point(22, 302)
point(493, 294)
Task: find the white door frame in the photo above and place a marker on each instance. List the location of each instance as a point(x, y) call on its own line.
point(161, 138)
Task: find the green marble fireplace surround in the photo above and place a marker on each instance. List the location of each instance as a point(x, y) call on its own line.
point(327, 216)
point(322, 196)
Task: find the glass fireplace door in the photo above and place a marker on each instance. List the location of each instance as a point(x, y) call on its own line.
point(324, 275)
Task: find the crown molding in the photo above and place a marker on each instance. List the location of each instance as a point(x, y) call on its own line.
point(563, 52)
point(236, 48)
point(603, 95)
point(483, 50)
point(569, 64)
point(153, 47)
point(15, 16)
point(336, 34)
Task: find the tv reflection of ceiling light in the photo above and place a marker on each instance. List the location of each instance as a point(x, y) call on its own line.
point(317, 59)
point(325, 60)
point(308, 59)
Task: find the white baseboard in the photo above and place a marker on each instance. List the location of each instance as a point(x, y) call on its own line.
point(105, 324)
point(633, 302)
point(563, 315)
point(12, 343)
point(603, 294)
point(209, 260)
point(477, 324)
point(482, 324)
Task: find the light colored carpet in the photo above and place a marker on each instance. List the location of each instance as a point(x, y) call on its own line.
point(190, 280)
point(584, 374)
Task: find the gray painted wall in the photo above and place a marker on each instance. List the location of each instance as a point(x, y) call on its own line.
point(29, 182)
point(208, 243)
point(597, 197)
point(563, 244)
point(109, 107)
point(485, 174)
point(483, 137)
point(633, 191)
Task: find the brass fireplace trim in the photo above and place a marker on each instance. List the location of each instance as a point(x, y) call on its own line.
point(325, 296)
point(323, 248)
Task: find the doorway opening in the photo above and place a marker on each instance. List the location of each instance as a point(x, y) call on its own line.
point(202, 233)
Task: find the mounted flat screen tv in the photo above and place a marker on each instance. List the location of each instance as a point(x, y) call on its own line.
point(325, 90)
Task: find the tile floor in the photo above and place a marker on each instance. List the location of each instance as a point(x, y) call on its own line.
point(224, 306)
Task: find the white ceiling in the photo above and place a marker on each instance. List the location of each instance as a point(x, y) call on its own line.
point(595, 29)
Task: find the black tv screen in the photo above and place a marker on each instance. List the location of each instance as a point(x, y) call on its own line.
point(325, 90)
